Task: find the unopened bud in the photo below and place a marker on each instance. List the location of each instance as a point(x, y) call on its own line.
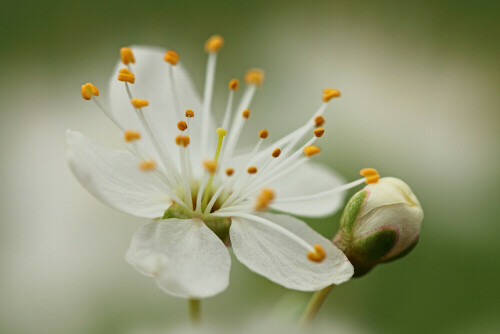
point(380, 223)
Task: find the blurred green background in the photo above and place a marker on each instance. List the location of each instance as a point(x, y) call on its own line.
point(420, 83)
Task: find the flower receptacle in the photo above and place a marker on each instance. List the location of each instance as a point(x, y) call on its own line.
point(218, 225)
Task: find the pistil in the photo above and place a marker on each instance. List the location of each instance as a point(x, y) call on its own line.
point(221, 133)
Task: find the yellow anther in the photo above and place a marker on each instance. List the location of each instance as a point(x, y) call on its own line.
point(265, 198)
point(182, 140)
point(221, 132)
point(88, 90)
point(372, 179)
point(330, 93)
point(252, 170)
point(229, 171)
point(127, 55)
point(309, 151)
point(131, 135)
point(276, 153)
point(319, 132)
point(319, 120)
point(318, 255)
point(234, 84)
point(254, 76)
point(370, 174)
point(126, 76)
point(263, 134)
point(182, 125)
point(246, 113)
point(189, 113)
point(214, 43)
point(210, 166)
point(171, 57)
point(139, 103)
point(149, 164)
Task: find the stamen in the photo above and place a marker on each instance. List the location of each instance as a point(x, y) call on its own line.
point(85, 89)
point(210, 166)
point(246, 113)
point(131, 135)
point(171, 57)
point(147, 165)
point(309, 151)
point(319, 132)
point(330, 93)
point(342, 188)
point(127, 55)
point(276, 153)
point(139, 103)
point(201, 191)
point(254, 76)
point(229, 171)
point(370, 174)
point(88, 90)
point(267, 178)
point(126, 76)
point(172, 175)
point(252, 170)
point(182, 125)
point(318, 255)
point(189, 113)
point(182, 140)
point(265, 198)
point(234, 84)
point(214, 43)
point(238, 122)
point(319, 120)
point(268, 174)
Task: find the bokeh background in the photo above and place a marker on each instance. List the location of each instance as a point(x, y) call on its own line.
point(420, 83)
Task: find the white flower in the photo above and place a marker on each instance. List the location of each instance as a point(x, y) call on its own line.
point(179, 168)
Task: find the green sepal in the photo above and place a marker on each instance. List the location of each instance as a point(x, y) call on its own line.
point(351, 211)
point(404, 252)
point(218, 225)
point(375, 246)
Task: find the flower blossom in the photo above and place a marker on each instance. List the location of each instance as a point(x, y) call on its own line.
point(184, 169)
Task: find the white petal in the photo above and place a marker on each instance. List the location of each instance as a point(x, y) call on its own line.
point(152, 82)
point(310, 178)
point(186, 258)
point(113, 177)
point(274, 255)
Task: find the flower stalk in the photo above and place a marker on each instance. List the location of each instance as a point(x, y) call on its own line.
point(314, 305)
point(195, 311)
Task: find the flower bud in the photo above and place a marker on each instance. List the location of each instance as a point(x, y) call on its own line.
point(379, 224)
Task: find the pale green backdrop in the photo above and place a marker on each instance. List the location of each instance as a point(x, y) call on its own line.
point(420, 83)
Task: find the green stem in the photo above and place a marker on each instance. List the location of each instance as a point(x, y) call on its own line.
point(315, 303)
point(195, 311)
